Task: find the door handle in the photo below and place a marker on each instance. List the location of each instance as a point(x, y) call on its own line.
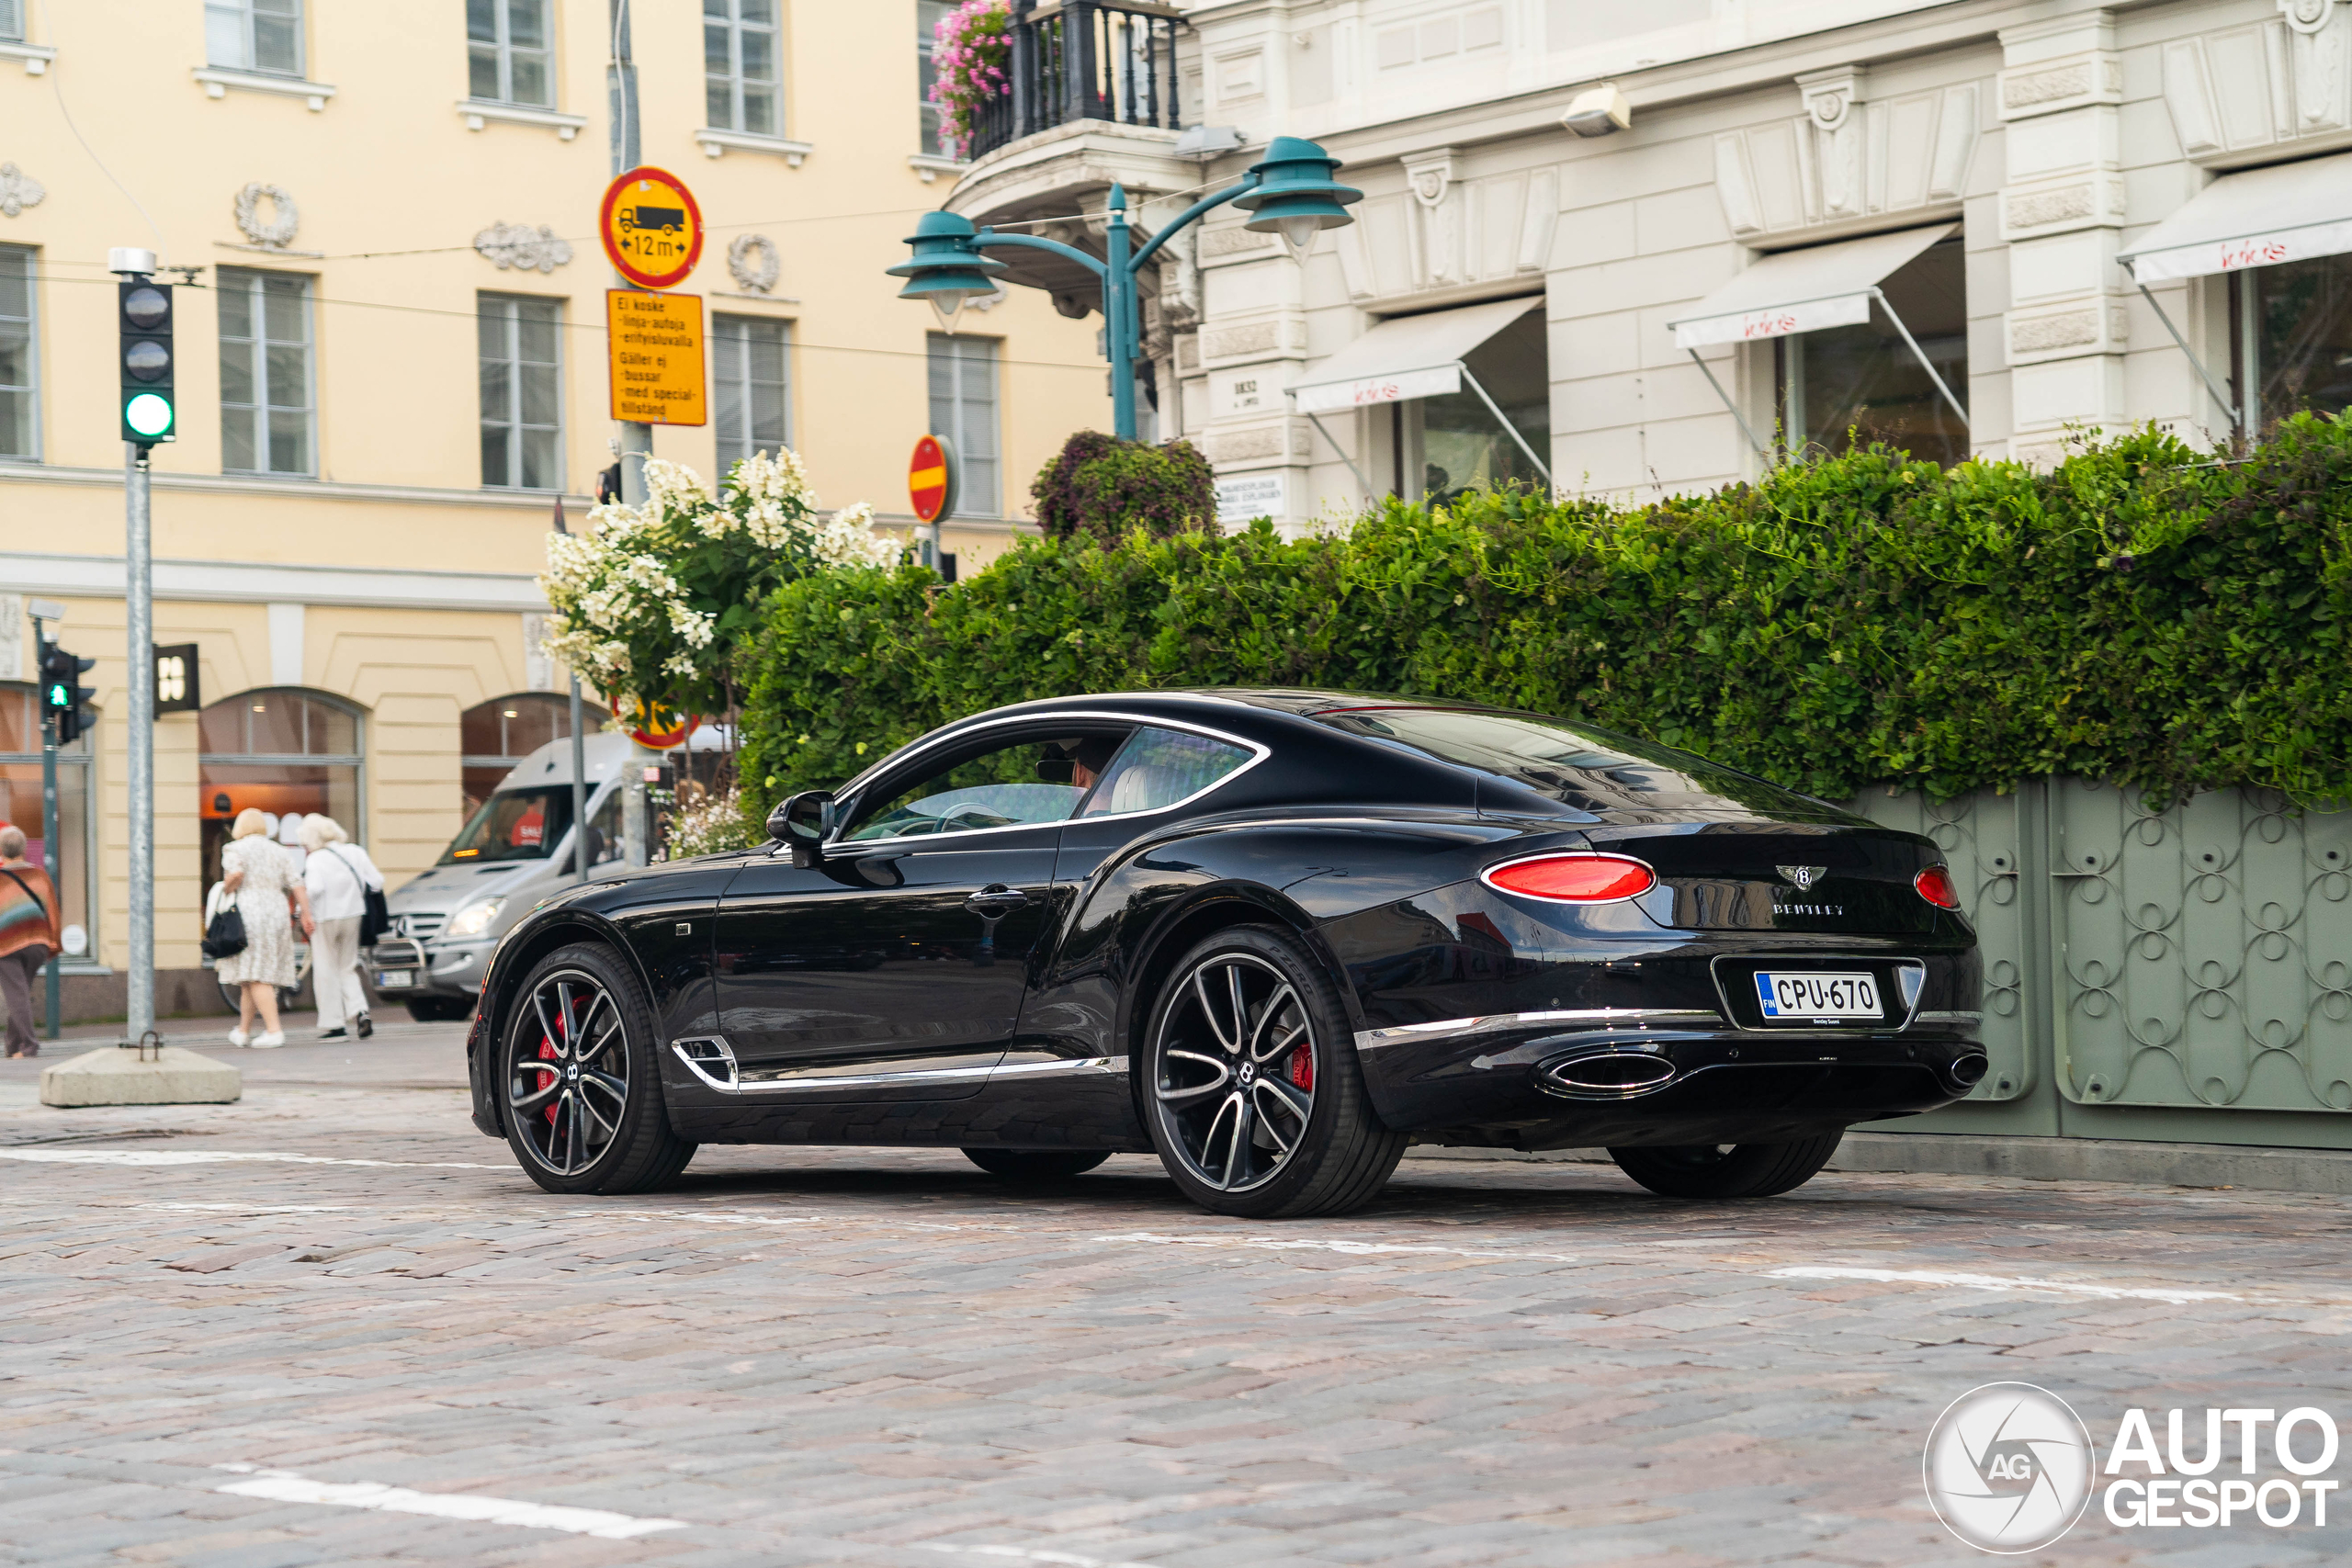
point(998, 900)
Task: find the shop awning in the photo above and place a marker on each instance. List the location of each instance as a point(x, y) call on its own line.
point(2286, 212)
point(1801, 291)
point(1408, 357)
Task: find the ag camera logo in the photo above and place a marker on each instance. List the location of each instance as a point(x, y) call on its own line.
point(2010, 1467)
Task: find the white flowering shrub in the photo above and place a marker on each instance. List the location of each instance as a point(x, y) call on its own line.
point(709, 822)
point(655, 602)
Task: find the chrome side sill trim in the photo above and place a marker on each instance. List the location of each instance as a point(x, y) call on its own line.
point(809, 1083)
point(1496, 1024)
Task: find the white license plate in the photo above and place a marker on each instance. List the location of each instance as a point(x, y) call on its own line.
point(395, 979)
point(1803, 998)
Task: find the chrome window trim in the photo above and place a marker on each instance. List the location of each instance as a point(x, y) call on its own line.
point(809, 1082)
point(1259, 751)
point(1486, 876)
point(1501, 1022)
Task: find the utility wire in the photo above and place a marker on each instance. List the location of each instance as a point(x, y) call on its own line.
point(599, 329)
point(67, 115)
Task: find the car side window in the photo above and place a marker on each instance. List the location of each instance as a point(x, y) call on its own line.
point(1156, 768)
point(1005, 786)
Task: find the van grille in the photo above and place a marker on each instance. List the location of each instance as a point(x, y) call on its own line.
point(421, 926)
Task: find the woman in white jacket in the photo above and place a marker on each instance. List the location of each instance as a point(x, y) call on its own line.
point(338, 873)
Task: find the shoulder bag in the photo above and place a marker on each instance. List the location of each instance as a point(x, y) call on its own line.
point(224, 934)
point(375, 913)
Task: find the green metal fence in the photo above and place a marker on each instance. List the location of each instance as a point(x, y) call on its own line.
point(2183, 975)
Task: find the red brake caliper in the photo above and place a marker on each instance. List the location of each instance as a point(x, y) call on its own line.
point(547, 1054)
point(1302, 1065)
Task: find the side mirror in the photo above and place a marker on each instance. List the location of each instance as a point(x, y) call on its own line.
point(801, 822)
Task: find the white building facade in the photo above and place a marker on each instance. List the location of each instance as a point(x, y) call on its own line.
point(1989, 228)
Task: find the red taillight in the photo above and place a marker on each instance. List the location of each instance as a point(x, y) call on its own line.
point(1575, 878)
point(1935, 885)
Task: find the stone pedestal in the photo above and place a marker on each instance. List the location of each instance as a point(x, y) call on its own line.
point(112, 1075)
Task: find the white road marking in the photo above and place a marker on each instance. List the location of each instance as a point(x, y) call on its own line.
point(225, 1156)
point(1999, 1282)
point(286, 1486)
point(1028, 1554)
point(1351, 1249)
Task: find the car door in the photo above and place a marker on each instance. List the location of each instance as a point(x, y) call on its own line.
point(895, 965)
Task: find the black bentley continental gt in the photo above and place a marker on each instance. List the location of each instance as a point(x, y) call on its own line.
point(1273, 937)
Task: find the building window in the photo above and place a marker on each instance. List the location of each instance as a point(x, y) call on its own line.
point(738, 62)
point(508, 56)
point(929, 14)
point(265, 406)
point(287, 754)
point(1847, 386)
point(19, 383)
point(1451, 445)
point(963, 408)
point(2293, 338)
point(254, 35)
point(493, 738)
point(748, 377)
point(12, 21)
point(522, 392)
point(20, 802)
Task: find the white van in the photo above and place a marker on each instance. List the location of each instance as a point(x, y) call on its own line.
point(515, 850)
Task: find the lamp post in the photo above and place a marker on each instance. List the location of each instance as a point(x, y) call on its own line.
point(1289, 192)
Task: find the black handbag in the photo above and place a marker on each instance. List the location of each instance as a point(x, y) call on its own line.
point(375, 913)
point(225, 937)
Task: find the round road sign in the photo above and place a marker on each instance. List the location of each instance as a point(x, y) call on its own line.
point(931, 479)
point(651, 228)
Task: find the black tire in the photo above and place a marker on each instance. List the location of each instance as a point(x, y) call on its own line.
point(580, 1079)
point(438, 1009)
point(1302, 1140)
point(1739, 1170)
point(1037, 1165)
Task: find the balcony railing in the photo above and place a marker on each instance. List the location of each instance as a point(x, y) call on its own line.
point(1111, 60)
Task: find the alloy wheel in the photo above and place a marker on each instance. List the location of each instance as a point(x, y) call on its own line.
point(567, 1085)
point(1236, 1071)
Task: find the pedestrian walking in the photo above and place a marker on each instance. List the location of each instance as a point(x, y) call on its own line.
point(27, 936)
point(261, 877)
point(338, 875)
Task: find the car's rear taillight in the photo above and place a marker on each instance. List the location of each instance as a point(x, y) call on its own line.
point(1573, 878)
point(1935, 885)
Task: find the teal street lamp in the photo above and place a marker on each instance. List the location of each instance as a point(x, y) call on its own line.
point(1289, 192)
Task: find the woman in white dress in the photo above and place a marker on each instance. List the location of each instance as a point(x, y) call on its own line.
point(260, 876)
point(339, 875)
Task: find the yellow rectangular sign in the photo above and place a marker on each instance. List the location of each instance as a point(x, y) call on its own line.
point(657, 356)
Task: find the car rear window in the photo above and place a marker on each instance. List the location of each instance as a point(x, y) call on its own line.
point(1156, 768)
point(1593, 770)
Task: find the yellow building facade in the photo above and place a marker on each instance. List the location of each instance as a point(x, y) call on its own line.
point(390, 364)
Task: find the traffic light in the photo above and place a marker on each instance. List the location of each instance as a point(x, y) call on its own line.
point(62, 694)
point(149, 412)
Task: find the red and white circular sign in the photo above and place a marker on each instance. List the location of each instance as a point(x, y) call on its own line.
point(931, 480)
point(651, 228)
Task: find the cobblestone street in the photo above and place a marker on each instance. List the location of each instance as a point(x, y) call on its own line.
point(332, 1324)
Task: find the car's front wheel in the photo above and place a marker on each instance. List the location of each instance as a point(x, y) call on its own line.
point(1733, 1170)
point(583, 1092)
point(1251, 1088)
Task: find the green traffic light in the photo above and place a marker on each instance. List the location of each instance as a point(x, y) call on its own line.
point(148, 414)
point(58, 699)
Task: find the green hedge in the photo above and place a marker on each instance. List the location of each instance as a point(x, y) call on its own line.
point(2136, 615)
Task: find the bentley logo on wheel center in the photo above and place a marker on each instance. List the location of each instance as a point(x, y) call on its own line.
point(2008, 1467)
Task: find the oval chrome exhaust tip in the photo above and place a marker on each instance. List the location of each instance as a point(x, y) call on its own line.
point(1609, 1075)
point(1966, 1072)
